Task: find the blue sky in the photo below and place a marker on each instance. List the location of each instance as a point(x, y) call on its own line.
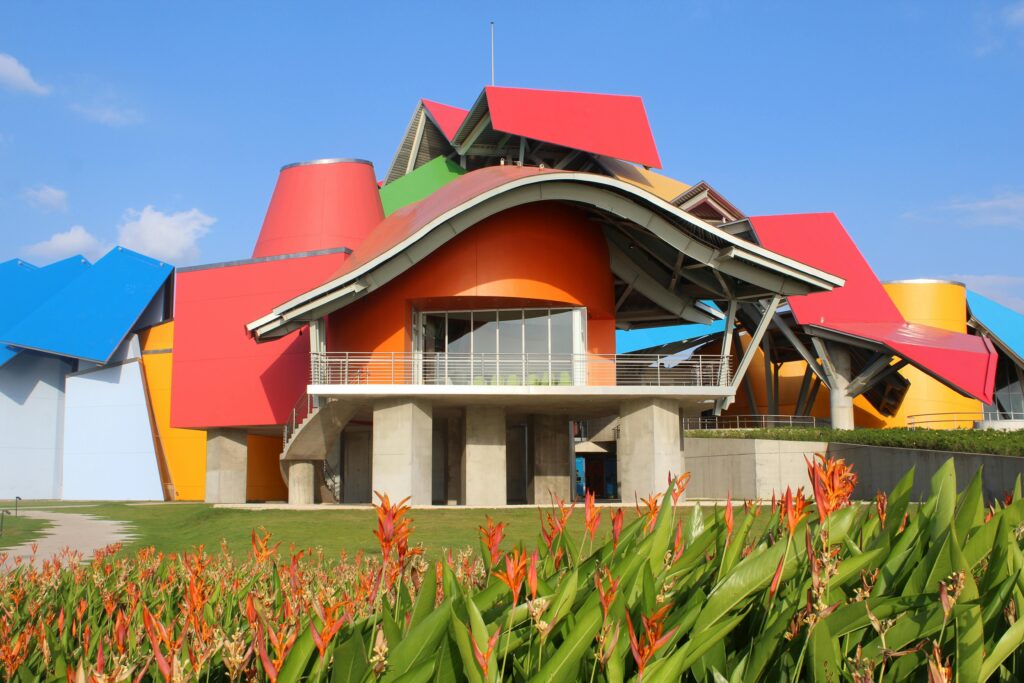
point(162, 126)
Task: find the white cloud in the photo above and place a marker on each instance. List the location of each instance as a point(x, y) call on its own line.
point(14, 76)
point(168, 237)
point(76, 240)
point(1002, 210)
point(1006, 289)
point(108, 114)
point(47, 197)
point(1015, 14)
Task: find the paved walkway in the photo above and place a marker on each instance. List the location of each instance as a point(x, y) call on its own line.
point(83, 533)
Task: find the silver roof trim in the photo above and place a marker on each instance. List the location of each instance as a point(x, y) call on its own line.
point(337, 160)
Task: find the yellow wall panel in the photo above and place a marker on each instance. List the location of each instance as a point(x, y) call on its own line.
point(184, 450)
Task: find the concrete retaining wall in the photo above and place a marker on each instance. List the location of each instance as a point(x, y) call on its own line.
point(754, 468)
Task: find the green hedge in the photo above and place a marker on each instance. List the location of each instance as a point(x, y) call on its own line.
point(956, 440)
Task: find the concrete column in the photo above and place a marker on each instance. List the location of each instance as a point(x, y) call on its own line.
point(227, 459)
point(301, 481)
point(402, 449)
point(648, 446)
point(552, 465)
point(356, 466)
point(484, 463)
point(840, 402)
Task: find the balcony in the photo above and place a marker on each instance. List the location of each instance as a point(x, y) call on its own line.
point(520, 370)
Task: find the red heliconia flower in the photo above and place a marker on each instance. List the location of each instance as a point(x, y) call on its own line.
point(515, 572)
point(679, 485)
point(881, 504)
point(616, 519)
point(606, 595)
point(775, 503)
point(531, 575)
point(483, 658)
point(492, 536)
point(591, 515)
point(793, 508)
point(650, 640)
point(777, 577)
point(650, 512)
point(392, 526)
point(261, 549)
point(332, 623)
point(728, 518)
point(832, 482)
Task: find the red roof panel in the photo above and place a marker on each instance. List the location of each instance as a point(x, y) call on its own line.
point(447, 117)
point(320, 205)
point(862, 308)
point(220, 376)
point(612, 125)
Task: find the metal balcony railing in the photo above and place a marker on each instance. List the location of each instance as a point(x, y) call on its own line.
point(966, 420)
point(752, 421)
point(526, 369)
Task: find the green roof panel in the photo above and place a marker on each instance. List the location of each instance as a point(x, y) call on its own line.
point(419, 184)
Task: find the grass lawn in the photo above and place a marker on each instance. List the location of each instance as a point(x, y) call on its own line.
point(173, 527)
point(18, 530)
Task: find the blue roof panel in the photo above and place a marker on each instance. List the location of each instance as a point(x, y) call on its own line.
point(90, 316)
point(627, 341)
point(23, 287)
point(1004, 323)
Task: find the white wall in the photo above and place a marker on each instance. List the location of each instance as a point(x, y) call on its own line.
point(108, 441)
point(31, 410)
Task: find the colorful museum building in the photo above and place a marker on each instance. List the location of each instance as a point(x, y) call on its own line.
point(465, 330)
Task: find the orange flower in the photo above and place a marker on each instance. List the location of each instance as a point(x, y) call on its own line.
point(606, 595)
point(591, 515)
point(832, 482)
point(679, 486)
point(531, 575)
point(491, 537)
point(881, 503)
point(728, 518)
point(392, 527)
point(650, 640)
point(616, 518)
point(650, 514)
point(332, 623)
point(515, 572)
point(261, 549)
point(483, 658)
point(793, 508)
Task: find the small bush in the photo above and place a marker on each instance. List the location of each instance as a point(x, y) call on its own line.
point(955, 440)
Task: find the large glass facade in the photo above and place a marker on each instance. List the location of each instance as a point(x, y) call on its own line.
point(506, 346)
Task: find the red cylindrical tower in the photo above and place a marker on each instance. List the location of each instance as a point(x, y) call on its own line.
point(322, 204)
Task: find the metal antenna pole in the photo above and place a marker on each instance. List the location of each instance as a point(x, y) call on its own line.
point(492, 53)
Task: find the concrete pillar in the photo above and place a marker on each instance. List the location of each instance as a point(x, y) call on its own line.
point(301, 481)
point(402, 449)
point(648, 446)
point(356, 466)
point(227, 458)
point(484, 463)
point(841, 403)
point(552, 459)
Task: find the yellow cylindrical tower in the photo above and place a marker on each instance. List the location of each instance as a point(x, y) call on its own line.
point(942, 304)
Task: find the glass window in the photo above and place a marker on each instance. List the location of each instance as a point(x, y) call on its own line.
point(512, 346)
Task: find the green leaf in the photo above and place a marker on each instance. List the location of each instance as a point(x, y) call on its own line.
point(1008, 643)
point(420, 643)
point(943, 493)
point(670, 670)
point(350, 664)
point(458, 632)
point(298, 657)
point(565, 664)
point(971, 511)
point(421, 674)
point(662, 533)
point(563, 600)
point(425, 600)
point(694, 524)
point(823, 654)
point(735, 545)
point(754, 573)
